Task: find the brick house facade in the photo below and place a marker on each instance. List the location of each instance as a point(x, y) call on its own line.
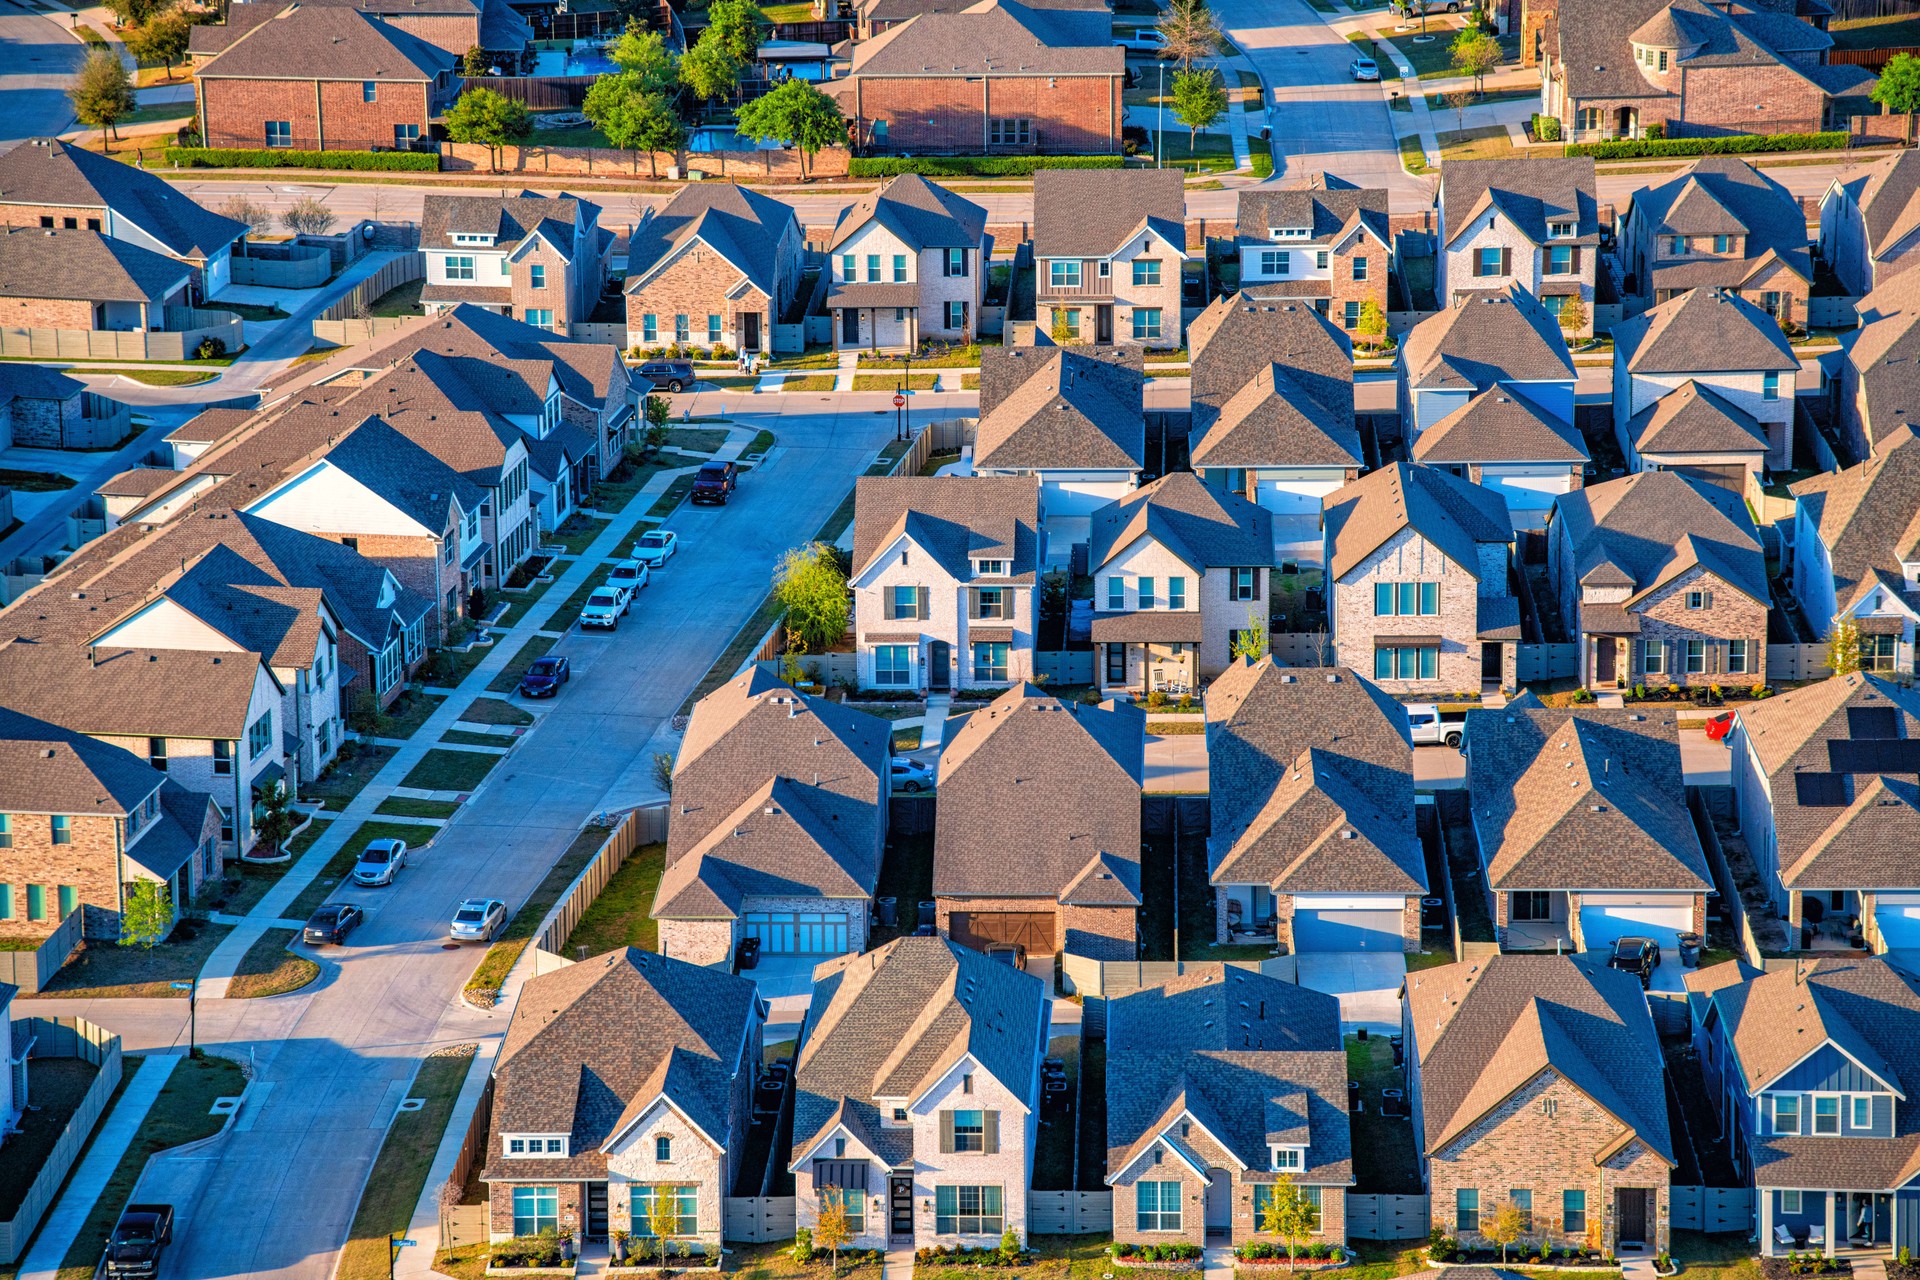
point(688, 286)
point(963, 115)
point(1330, 245)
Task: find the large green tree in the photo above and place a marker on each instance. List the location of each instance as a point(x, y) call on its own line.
point(1198, 100)
point(811, 586)
point(644, 54)
point(709, 70)
point(102, 94)
point(1475, 53)
point(739, 25)
point(163, 39)
point(634, 118)
point(490, 119)
point(796, 115)
point(1898, 88)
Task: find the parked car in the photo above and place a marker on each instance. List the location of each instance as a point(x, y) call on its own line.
point(379, 861)
point(1011, 954)
point(910, 775)
point(545, 676)
point(1142, 40)
point(1364, 68)
point(331, 924)
point(1638, 956)
point(142, 1234)
point(714, 482)
point(1718, 727)
point(1432, 726)
point(605, 607)
point(656, 547)
point(673, 375)
point(478, 920)
point(629, 576)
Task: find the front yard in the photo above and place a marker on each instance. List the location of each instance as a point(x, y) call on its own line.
point(351, 770)
point(106, 970)
point(270, 969)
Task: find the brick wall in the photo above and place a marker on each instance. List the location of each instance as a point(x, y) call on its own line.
point(420, 565)
point(237, 111)
point(451, 32)
point(1720, 100)
point(89, 863)
point(29, 215)
point(44, 424)
point(1407, 557)
point(1101, 933)
point(1193, 1198)
point(557, 297)
point(694, 1163)
point(47, 313)
point(948, 113)
point(1731, 615)
point(696, 284)
point(1346, 289)
point(500, 1201)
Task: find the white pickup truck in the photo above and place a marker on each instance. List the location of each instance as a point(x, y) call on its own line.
point(1433, 727)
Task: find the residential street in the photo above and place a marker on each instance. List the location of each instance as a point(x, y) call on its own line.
point(37, 59)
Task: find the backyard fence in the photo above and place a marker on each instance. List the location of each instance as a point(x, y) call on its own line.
point(61, 1038)
point(1797, 662)
point(1387, 1217)
point(540, 93)
point(1069, 1213)
point(640, 826)
point(1708, 1209)
point(344, 322)
point(774, 165)
point(184, 329)
point(1546, 662)
point(32, 970)
point(464, 1224)
point(283, 266)
point(759, 1219)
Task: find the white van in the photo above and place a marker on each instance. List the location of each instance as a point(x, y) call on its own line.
point(1433, 727)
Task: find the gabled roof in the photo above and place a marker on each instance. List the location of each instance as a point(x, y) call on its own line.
point(1724, 195)
point(1238, 336)
point(1499, 425)
point(250, 607)
point(327, 42)
point(1654, 526)
point(921, 215)
point(1052, 407)
point(777, 843)
point(1455, 515)
point(45, 768)
point(1275, 421)
point(1696, 419)
point(1867, 515)
point(46, 171)
point(36, 262)
point(509, 219)
point(1530, 193)
point(1490, 338)
point(740, 225)
point(1091, 213)
point(1205, 528)
point(168, 842)
point(1595, 37)
point(893, 1022)
point(954, 519)
point(1317, 833)
point(1701, 331)
point(1325, 210)
point(410, 477)
point(1060, 781)
point(1886, 198)
point(169, 693)
point(1002, 38)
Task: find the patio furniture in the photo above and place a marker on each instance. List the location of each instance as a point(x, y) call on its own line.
point(1816, 1237)
point(1782, 1236)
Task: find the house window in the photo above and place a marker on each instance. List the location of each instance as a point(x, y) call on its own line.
point(1466, 1211)
point(1531, 904)
point(62, 829)
point(899, 268)
point(1116, 592)
point(970, 1127)
point(279, 133)
point(1522, 1199)
point(459, 267)
point(1786, 1113)
point(1146, 272)
point(1573, 1212)
point(69, 900)
point(1146, 324)
point(1156, 1206)
point(1486, 262)
point(1010, 133)
point(956, 262)
point(36, 902)
point(990, 568)
point(1359, 268)
point(849, 267)
point(157, 753)
point(1696, 599)
point(1790, 1202)
point(1406, 599)
point(713, 331)
point(1677, 245)
point(682, 330)
point(1737, 657)
point(1285, 1159)
point(1769, 386)
point(853, 1200)
point(990, 660)
point(967, 1211)
point(1275, 262)
point(1104, 269)
point(684, 1201)
point(1560, 260)
point(899, 1115)
point(956, 315)
point(6, 901)
point(260, 735)
point(893, 665)
point(1069, 319)
point(906, 603)
point(1862, 1111)
point(649, 328)
point(405, 136)
point(1696, 657)
point(1587, 118)
point(990, 602)
point(537, 276)
point(873, 268)
point(1826, 1114)
point(539, 317)
point(1653, 657)
point(1245, 585)
point(1770, 303)
point(1410, 662)
point(369, 91)
point(663, 1148)
point(1063, 273)
point(1176, 593)
point(1144, 593)
point(1350, 315)
point(1723, 244)
point(6, 831)
point(1877, 652)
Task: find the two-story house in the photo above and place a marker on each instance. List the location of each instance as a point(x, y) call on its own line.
point(540, 258)
point(1811, 1072)
point(496, 27)
point(1179, 570)
point(917, 1095)
point(1720, 224)
point(624, 1081)
point(84, 821)
point(1312, 844)
point(1663, 580)
point(1208, 1113)
point(1109, 246)
point(778, 820)
point(1868, 221)
point(1532, 223)
point(1856, 551)
point(1418, 571)
point(1060, 782)
point(1581, 819)
point(718, 265)
point(908, 263)
point(1328, 244)
point(946, 580)
point(1536, 1082)
point(1877, 373)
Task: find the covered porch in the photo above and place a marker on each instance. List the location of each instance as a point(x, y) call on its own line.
point(875, 317)
point(1147, 650)
point(1536, 920)
point(1607, 634)
point(1837, 1223)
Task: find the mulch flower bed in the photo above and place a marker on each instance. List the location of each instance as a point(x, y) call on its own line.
point(1807, 1264)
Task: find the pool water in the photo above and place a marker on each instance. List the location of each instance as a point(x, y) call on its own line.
point(584, 60)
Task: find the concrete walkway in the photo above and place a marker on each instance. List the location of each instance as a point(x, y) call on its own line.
point(1216, 1262)
point(898, 1265)
point(110, 1142)
point(849, 366)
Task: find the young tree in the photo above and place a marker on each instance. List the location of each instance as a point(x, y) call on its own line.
point(1843, 647)
point(1506, 1228)
point(146, 918)
point(490, 119)
point(643, 53)
point(1288, 1215)
point(276, 819)
point(633, 118)
point(739, 25)
point(474, 62)
point(1372, 324)
point(662, 1220)
point(1190, 31)
point(709, 70)
point(1474, 54)
point(1250, 641)
point(163, 39)
point(1198, 100)
point(663, 770)
point(137, 13)
point(307, 217)
point(1573, 314)
point(1898, 88)
point(1063, 330)
point(830, 1227)
point(796, 115)
point(812, 587)
point(1459, 100)
point(259, 218)
point(102, 93)
point(659, 413)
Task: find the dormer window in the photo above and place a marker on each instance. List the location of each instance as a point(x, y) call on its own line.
point(1289, 233)
point(527, 1146)
point(1562, 230)
point(469, 237)
point(1288, 1159)
point(990, 568)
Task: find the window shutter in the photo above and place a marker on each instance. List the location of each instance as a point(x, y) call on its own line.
point(992, 1146)
point(1256, 583)
point(1506, 262)
point(946, 1133)
point(1576, 259)
point(887, 609)
point(923, 604)
point(1706, 599)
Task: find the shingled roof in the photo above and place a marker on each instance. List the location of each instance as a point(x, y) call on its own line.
point(1206, 528)
point(1091, 213)
point(742, 226)
point(46, 171)
point(45, 768)
point(1649, 528)
point(1594, 40)
point(1330, 208)
point(327, 42)
point(1490, 338)
point(509, 219)
point(1059, 408)
point(1239, 335)
point(1455, 515)
point(954, 519)
point(1500, 425)
point(1868, 516)
point(1275, 420)
point(1704, 330)
point(1888, 196)
point(1530, 193)
point(1696, 419)
point(36, 262)
point(1725, 196)
point(921, 215)
point(1001, 38)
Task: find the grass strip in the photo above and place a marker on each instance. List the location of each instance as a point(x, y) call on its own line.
point(500, 957)
point(407, 807)
point(399, 1172)
point(620, 916)
point(269, 969)
point(468, 738)
point(152, 377)
point(535, 647)
point(494, 711)
point(440, 770)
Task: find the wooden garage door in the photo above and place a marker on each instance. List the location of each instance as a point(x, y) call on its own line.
point(1729, 475)
point(978, 929)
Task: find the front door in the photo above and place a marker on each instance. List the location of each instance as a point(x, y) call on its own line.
point(939, 666)
point(1490, 660)
point(850, 326)
point(900, 1197)
point(596, 1211)
point(750, 331)
point(1633, 1217)
point(1603, 660)
point(1103, 323)
point(1219, 1202)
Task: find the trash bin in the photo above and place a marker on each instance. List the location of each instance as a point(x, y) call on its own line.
point(747, 954)
point(1690, 950)
point(886, 912)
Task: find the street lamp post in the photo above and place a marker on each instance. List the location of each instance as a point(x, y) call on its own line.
point(1159, 109)
point(192, 987)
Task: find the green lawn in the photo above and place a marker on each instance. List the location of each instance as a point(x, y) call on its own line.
point(441, 770)
point(697, 439)
point(1205, 153)
point(944, 357)
point(351, 770)
point(158, 111)
point(108, 970)
point(1385, 1161)
point(495, 711)
point(577, 532)
point(151, 377)
point(500, 957)
point(798, 11)
point(1413, 156)
point(402, 719)
point(1487, 142)
point(613, 494)
point(244, 883)
point(401, 300)
point(335, 872)
point(1892, 31)
point(670, 500)
point(1431, 60)
point(34, 481)
point(269, 969)
point(1717, 1257)
point(892, 381)
point(399, 1173)
point(535, 647)
point(468, 738)
point(57, 1086)
point(620, 916)
point(406, 807)
point(518, 602)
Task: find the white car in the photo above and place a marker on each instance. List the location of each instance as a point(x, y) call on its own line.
point(629, 576)
point(478, 920)
point(605, 607)
point(1364, 68)
point(1144, 40)
point(656, 547)
point(379, 861)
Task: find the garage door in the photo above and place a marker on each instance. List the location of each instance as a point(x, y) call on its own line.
point(1730, 475)
point(1662, 919)
point(980, 929)
point(1526, 488)
point(1324, 923)
point(798, 932)
point(1899, 919)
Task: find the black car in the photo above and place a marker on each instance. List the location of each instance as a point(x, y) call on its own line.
point(672, 375)
point(1638, 956)
point(714, 482)
point(332, 923)
point(545, 676)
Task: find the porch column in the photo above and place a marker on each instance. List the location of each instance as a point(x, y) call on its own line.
point(1765, 1196)
point(1832, 1196)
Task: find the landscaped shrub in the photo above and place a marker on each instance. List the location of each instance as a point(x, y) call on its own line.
point(275, 158)
point(1546, 128)
point(528, 1251)
point(975, 166)
point(1735, 144)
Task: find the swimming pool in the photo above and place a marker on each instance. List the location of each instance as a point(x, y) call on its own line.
point(583, 60)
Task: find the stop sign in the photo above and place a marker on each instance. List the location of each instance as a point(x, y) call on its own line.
point(899, 399)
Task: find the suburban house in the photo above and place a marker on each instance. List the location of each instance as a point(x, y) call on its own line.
point(1109, 246)
point(1312, 844)
point(1329, 244)
point(1663, 581)
point(541, 258)
point(1877, 377)
point(495, 27)
point(1519, 222)
point(42, 408)
point(1273, 419)
point(624, 1080)
point(84, 821)
point(1810, 1069)
point(1207, 1112)
point(1721, 224)
point(908, 263)
point(1485, 391)
point(88, 280)
point(917, 1096)
point(1060, 782)
point(319, 77)
point(1867, 223)
point(993, 78)
point(1581, 819)
point(871, 17)
point(946, 590)
point(1614, 70)
point(1418, 572)
point(1070, 416)
point(1179, 571)
point(718, 265)
point(1542, 1070)
point(1856, 550)
point(48, 183)
point(1822, 781)
point(778, 819)
point(1738, 422)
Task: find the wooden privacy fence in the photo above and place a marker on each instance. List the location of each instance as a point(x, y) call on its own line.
point(32, 970)
point(775, 165)
point(641, 826)
point(1372, 1217)
point(404, 269)
point(541, 93)
point(462, 1224)
point(61, 1038)
point(283, 266)
point(1797, 662)
point(185, 328)
point(1114, 978)
point(759, 1219)
point(1069, 1213)
point(1709, 1209)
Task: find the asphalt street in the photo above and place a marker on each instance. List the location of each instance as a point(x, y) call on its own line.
point(38, 58)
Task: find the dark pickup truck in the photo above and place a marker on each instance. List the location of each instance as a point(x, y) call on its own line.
point(134, 1248)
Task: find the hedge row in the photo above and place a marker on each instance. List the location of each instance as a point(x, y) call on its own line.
point(241, 158)
point(1733, 144)
point(975, 166)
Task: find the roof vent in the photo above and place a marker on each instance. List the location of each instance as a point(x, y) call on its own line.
point(47, 754)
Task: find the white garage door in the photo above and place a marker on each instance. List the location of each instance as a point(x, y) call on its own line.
point(1323, 922)
point(1899, 919)
point(801, 932)
point(1526, 488)
point(1602, 923)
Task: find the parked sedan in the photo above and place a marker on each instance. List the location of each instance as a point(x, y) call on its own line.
point(478, 920)
point(379, 861)
point(656, 547)
point(331, 924)
point(545, 676)
point(605, 607)
point(629, 576)
point(1364, 68)
point(910, 775)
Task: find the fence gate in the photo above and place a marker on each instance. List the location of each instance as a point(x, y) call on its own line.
point(1712, 1209)
point(1067, 1213)
point(1387, 1217)
point(759, 1219)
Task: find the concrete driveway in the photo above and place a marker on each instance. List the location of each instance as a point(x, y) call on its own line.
point(1367, 984)
point(1176, 762)
point(783, 976)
